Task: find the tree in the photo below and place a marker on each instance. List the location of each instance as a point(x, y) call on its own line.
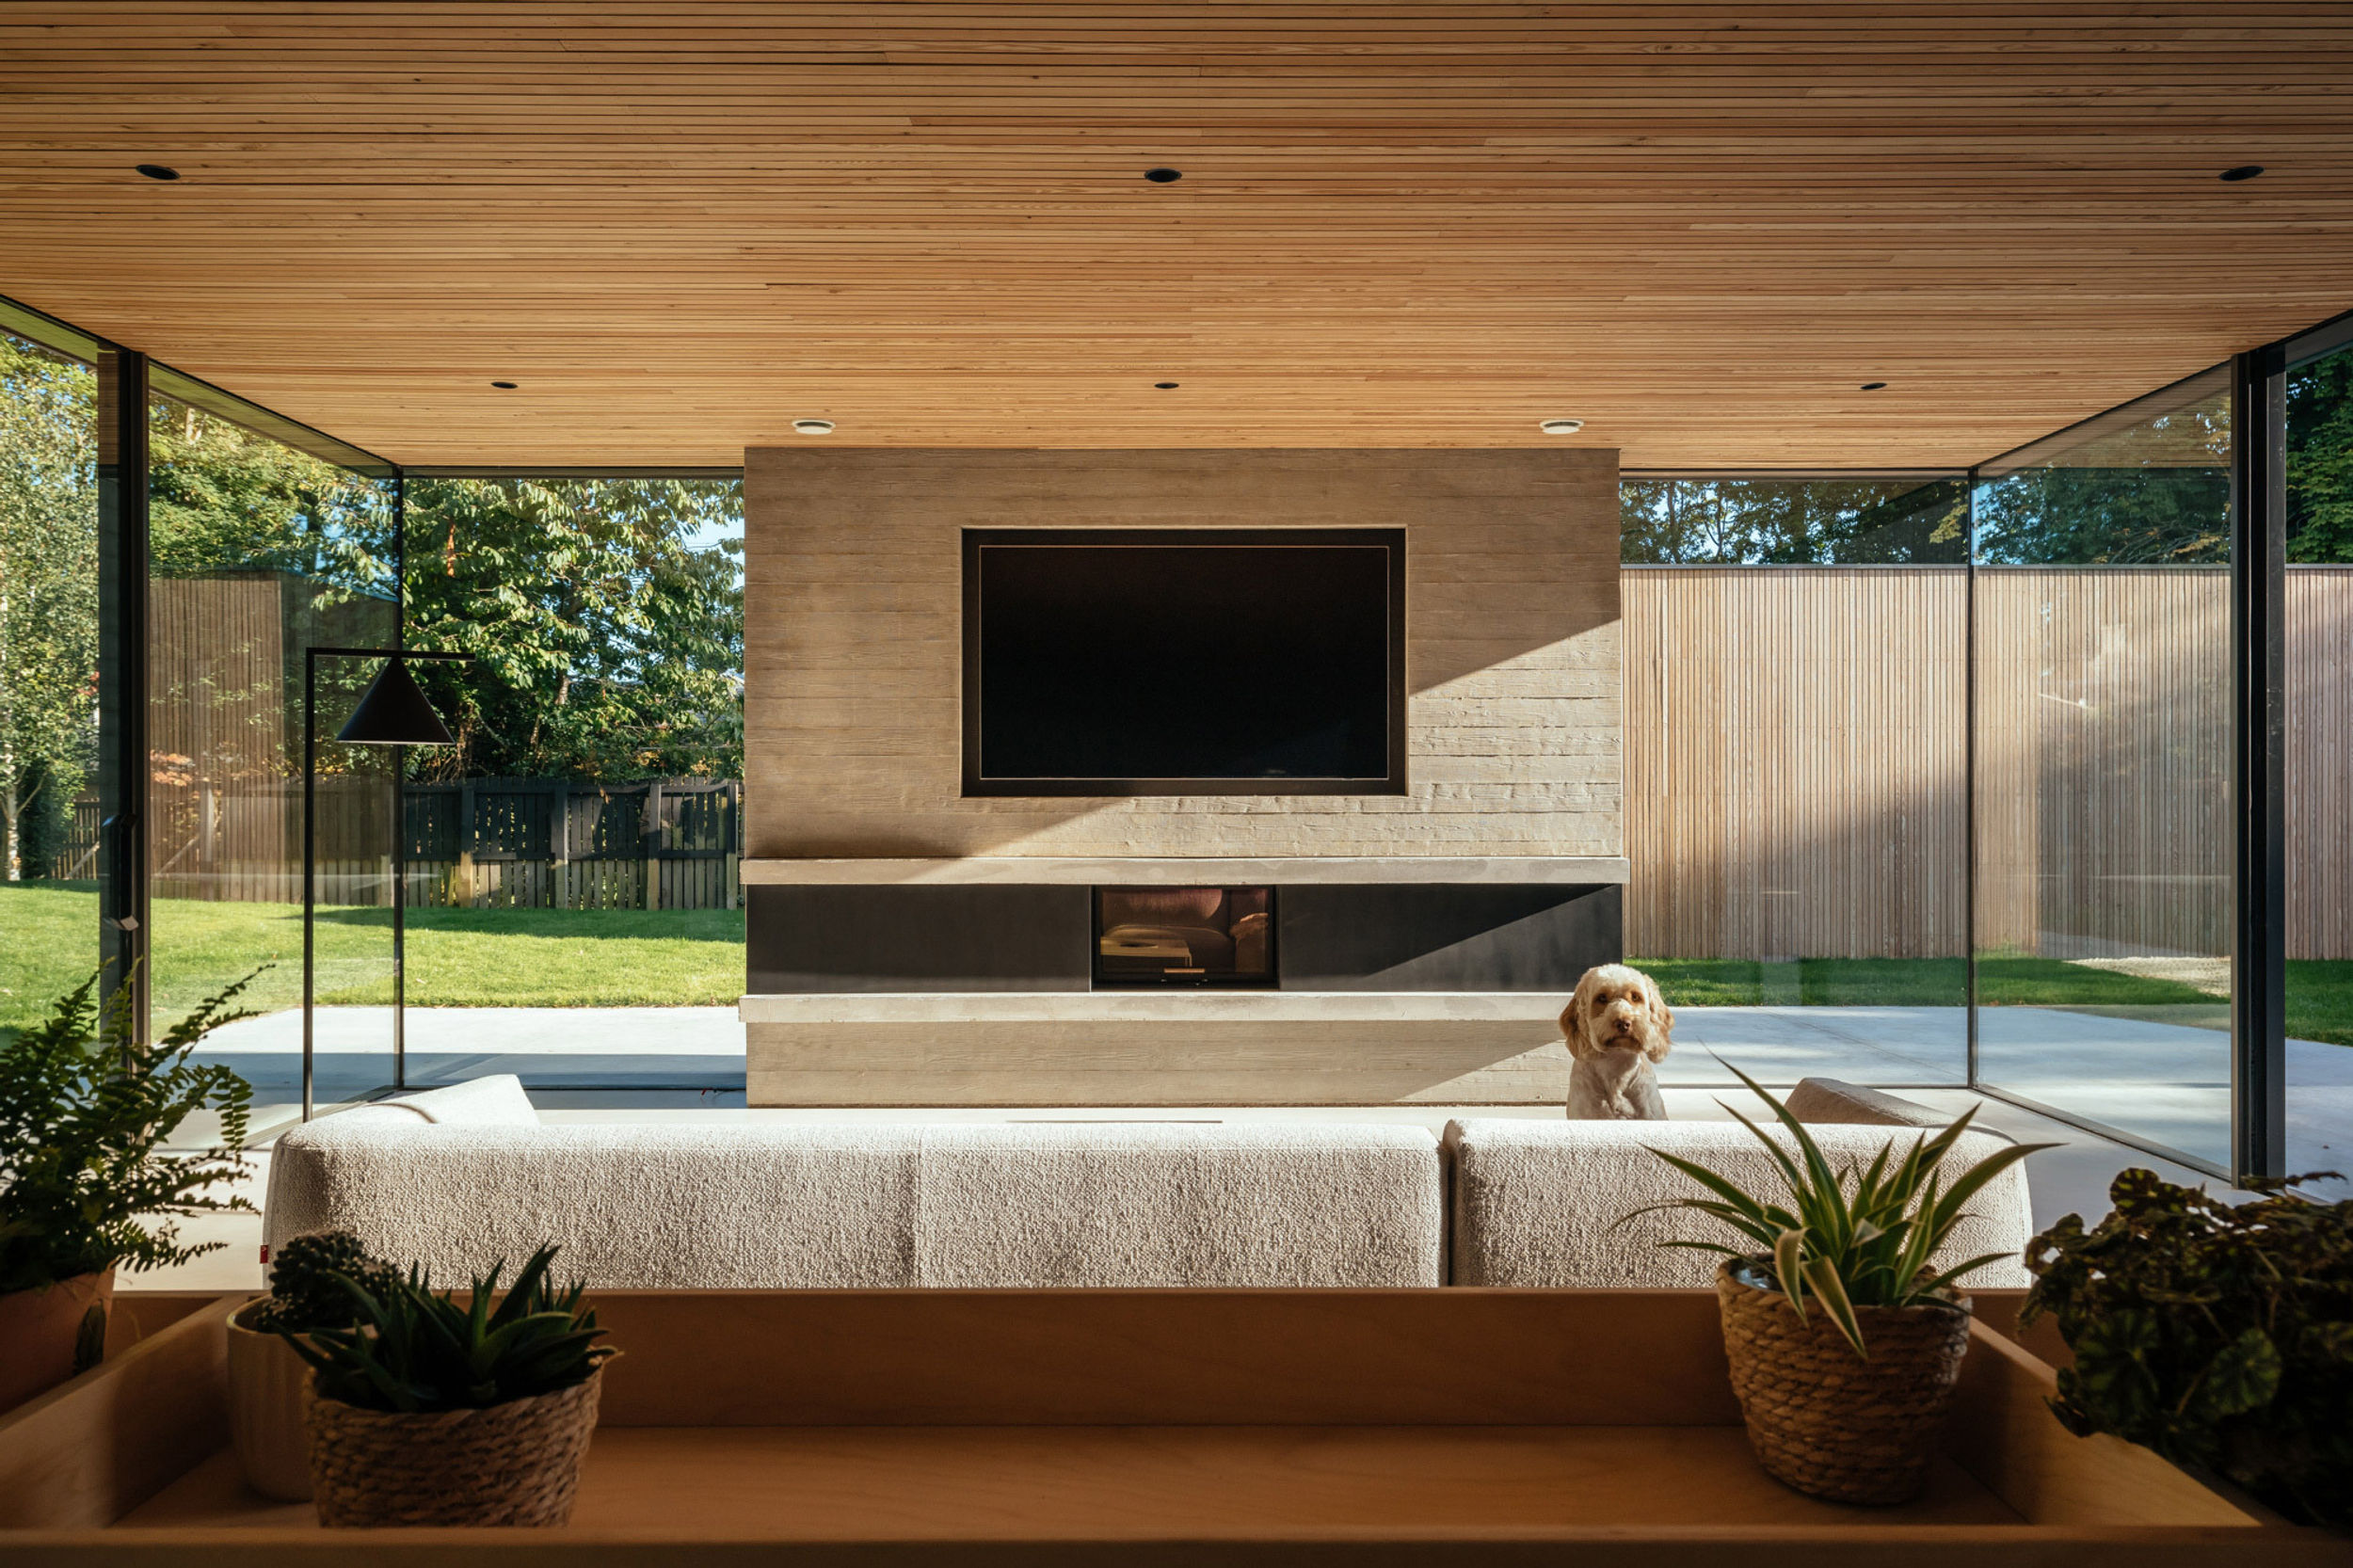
point(2320, 461)
point(607, 644)
point(2156, 492)
point(48, 588)
point(1792, 522)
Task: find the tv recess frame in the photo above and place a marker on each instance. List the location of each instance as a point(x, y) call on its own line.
point(1391, 540)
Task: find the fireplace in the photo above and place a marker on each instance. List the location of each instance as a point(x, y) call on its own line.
point(1184, 936)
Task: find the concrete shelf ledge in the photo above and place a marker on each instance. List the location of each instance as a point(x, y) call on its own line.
point(1194, 871)
point(1187, 1005)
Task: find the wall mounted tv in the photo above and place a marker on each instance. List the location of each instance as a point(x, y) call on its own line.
point(1193, 661)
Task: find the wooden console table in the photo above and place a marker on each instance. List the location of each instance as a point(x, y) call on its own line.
point(1429, 1426)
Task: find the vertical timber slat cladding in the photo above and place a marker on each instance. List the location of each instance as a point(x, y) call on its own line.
point(1795, 759)
point(852, 703)
point(2319, 762)
point(1794, 756)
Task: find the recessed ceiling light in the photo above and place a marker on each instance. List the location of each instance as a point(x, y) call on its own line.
point(813, 426)
point(1561, 426)
point(1874, 386)
point(158, 172)
point(1165, 386)
point(2243, 172)
point(1163, 176)
point(503, 386)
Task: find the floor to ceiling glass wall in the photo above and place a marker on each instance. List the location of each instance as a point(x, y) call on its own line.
point(48, 670)
point(261, 550)
point(2319, 768)
point(1796, 780)
point(2103, 705)
point(574, 892)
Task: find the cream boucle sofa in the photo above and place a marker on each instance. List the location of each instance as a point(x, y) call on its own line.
point(462, 1177)
point(846, 1206)
point(1514, 1182)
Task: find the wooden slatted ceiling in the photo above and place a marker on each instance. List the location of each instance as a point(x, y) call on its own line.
point(681, 226)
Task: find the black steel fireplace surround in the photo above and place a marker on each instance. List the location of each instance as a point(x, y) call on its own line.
point(1320, 936)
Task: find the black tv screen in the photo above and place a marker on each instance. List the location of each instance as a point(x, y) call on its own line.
point(1184, 660)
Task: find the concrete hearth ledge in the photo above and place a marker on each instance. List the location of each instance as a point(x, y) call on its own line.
point(1032, 869)
point(1189, 1005)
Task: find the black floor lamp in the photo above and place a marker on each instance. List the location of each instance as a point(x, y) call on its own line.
point(392, 712)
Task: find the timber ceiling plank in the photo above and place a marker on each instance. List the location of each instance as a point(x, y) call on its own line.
point(681, 226)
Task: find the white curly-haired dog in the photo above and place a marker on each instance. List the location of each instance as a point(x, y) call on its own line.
point(1618, 1028)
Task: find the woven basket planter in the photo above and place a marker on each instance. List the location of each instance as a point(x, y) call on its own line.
point(1821, 1420)
point(513, 1464)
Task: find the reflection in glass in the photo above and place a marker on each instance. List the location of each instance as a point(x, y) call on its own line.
point(2319, 782)
point(48, 808)
point(261, 550)
point(1795, 754)
point(2103, 664)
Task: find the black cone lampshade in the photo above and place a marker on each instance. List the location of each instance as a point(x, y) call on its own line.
point(394, 711)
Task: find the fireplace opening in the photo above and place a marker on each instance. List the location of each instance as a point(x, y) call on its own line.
point(1184, 936)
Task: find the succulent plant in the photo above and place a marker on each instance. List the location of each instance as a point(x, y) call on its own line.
point(410, 1349)
point(306, 1290)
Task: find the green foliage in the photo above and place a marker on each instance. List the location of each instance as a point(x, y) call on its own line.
point(1789, 521)
point(2320, 461)
point(2154, 493)
point(83, 1120)
point(607, 644)
point(1851, 1235)
point(2215, 1335)
point(48, 593)
point(224, 498)
point(306, 1284)
point(410, 1349)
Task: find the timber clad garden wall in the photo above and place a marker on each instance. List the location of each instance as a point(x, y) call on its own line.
point(1795, 753)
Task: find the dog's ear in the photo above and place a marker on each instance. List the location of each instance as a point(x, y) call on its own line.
point(1573, 1029)
point(1662, 1023)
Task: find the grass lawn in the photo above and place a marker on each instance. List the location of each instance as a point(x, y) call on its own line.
point(2320, 993)
point(685, 957)
point(456, 958)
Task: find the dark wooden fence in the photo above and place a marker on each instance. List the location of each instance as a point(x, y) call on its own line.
point(484, 844)
point(529, 844)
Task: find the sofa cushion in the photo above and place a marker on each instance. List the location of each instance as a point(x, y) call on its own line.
point(495, 1101)
point(1831, 1099)
point(1537, 1203)
point(793, 1206)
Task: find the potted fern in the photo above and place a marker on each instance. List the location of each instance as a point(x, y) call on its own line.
point(429, 1412)
point(266, 1377)
point(86, 1186)
point(1845, 1339)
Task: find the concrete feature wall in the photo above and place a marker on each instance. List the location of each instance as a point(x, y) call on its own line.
point(1512, 648)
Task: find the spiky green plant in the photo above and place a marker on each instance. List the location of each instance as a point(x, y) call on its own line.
point(411, 1349)
point(1850, 1236)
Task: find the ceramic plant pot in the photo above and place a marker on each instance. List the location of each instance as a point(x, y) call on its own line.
point(1824, 1420)
point(512, 1463)
point(47, 1336)
point(266, 1380)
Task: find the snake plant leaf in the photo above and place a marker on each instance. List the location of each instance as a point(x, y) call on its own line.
point(1789, 1268)
point(1822, 1274)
